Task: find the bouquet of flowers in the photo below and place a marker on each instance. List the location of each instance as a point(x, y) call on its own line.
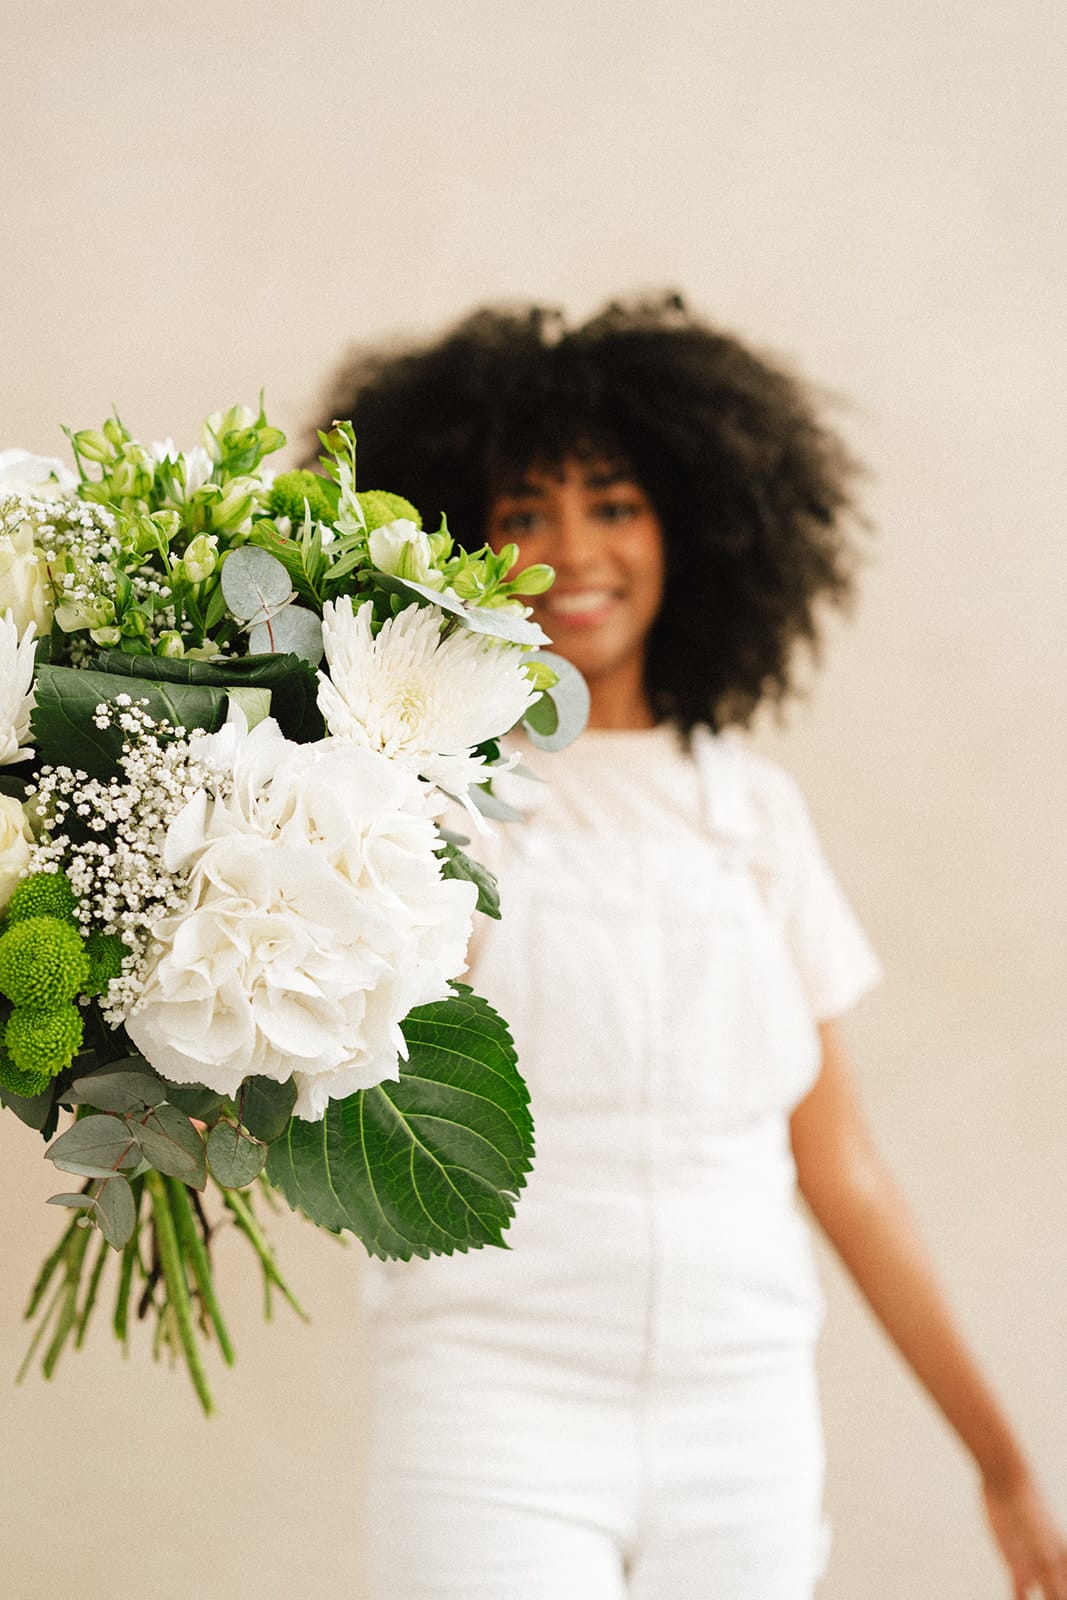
point(234, 707)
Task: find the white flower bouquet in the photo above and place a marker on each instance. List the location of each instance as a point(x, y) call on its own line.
point(233, 710)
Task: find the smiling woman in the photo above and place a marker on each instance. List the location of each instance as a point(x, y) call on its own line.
point(624, 1403)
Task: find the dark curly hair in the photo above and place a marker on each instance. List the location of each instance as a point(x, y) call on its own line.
point(753, 491)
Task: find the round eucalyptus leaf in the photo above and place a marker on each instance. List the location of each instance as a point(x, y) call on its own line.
point(95, 1147)
point(294, 631)
point(254, 581)
point(570, 697)
point(116, 1211)
point(233, 1157)
point(133, 1090)
point(265, 1107)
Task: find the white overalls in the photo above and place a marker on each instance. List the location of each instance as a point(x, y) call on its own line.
point(623, 1404)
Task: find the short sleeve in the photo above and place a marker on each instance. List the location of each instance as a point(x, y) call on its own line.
point(831, 952)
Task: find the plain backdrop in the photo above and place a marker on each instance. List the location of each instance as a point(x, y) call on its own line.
point(199, 203)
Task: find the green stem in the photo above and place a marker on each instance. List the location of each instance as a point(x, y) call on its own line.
point(91, 1292)
point(48, 1267)
point(177, 1287)
point(245, 1220)
point(121, 1320)
point(41, 1328)
point(68, 1309)
point(192, 1243)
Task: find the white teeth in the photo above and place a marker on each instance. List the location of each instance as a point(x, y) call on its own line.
point(571, 604)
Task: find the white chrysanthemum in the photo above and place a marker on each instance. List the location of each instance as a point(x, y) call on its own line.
point(16, 689)
point(316, 918)
point(422, 699)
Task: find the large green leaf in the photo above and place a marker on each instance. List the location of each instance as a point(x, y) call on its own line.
point(64, 730)
point(427, 1165)
point(292, 682)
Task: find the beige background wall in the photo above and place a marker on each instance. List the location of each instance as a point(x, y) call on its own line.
point(198, 202)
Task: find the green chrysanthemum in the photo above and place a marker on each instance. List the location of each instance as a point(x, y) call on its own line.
point(43, 1041)
point(106, 953)
point(380, 507)
point(26, 1084)
point(42, 962)
point(43, 894)
point(291, 489)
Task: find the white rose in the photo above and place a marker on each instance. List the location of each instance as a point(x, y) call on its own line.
point(15, 842)
point(16, 690)
point(25, 589)
point(401, 550)
point(43, 477)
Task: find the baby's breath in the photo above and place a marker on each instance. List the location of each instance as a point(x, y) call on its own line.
point(108, 835)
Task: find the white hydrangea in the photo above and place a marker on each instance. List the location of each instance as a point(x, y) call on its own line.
point(23, 473)
point(16, 689)
point(424, 698)
point(316, 918)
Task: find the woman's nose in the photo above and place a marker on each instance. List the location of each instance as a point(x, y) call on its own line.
point(575, 541)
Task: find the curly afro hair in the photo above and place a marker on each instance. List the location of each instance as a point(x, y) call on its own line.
point(753, 491)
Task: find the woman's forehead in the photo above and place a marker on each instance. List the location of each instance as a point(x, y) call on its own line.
point(595, 469)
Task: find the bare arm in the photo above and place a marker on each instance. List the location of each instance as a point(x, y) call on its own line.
point(859, 1207)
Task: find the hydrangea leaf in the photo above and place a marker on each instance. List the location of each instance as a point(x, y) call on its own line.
point(559, 716)
point(62, 720)
point(427, 1165)
point(292, 682)
point(233, 1157)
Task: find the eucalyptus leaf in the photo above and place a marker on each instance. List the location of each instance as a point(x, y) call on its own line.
point(116, 1211)
point(117, 1091)
point(491, 806)
point(195, 1100)
point(266, 1106)
point(455, 863)
point(254, 703)
point(95, 1147)
point(169, 1142)
point(294, 630)
point(430, 1164)
point(75, 1202)
point(235, 1159)
point(568, 699)
point(254, 582)
point(34, 1110)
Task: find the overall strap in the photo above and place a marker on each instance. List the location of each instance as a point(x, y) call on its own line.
point(730, 816)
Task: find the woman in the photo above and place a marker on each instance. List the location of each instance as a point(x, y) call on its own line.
point(624, 1403)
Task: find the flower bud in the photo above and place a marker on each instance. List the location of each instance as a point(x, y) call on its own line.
point(92, 445)
point(107, 637)
point(401, 550)
point(115, 432)
point(73, 615)
point(234, 504)
point(170, 644)
point(533, 580)
point(201, 558)
point(468, 582)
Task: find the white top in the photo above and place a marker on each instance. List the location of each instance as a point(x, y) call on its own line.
point(671, 935)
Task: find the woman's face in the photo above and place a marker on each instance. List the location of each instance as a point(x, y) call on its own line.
point(591, 521)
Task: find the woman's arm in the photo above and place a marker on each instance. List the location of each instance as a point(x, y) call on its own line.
point(860, 1209)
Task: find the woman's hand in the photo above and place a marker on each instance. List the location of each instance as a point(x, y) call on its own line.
point(1029, 1540)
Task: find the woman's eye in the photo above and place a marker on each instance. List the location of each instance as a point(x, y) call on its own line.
point(518, 521)
point(615, 510)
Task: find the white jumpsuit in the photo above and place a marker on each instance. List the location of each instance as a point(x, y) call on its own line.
point(623, 1404)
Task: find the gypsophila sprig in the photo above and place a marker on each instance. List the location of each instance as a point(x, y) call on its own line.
point(231, 925)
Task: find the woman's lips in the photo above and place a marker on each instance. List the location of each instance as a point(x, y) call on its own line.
point(577, 608)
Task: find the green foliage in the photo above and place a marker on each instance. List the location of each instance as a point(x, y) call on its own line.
point(290, 491)
point(234, 1158)
point(21, 1084)
point(43, 962)
point(43, 1041)
point(456, 864)
point(380, 507)
point(106, 953)
point(558, 717)
point(62, 720)
point(291, 681)
point(43, 894)
point(427, 1165)
point(266, 1106)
